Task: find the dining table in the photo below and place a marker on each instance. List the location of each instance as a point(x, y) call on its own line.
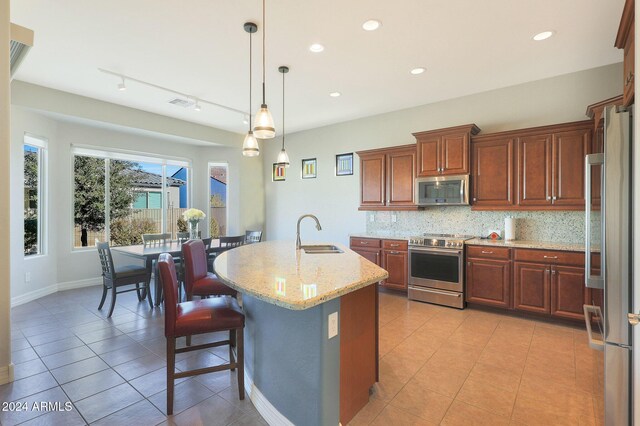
point(150, 254)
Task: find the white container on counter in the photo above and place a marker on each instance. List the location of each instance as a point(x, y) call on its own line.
point(509, 228)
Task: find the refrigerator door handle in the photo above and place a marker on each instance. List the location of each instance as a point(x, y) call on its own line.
point(588, 311)
point(593, 281)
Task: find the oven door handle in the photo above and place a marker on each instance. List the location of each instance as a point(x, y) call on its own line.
point(432, 290)
point(434, 250)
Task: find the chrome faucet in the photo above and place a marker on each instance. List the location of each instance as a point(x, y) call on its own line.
point(318, 227)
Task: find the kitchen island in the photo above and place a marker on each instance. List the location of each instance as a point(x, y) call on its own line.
point(299, 368)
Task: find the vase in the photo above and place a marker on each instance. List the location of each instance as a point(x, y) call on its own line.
point(193, 230)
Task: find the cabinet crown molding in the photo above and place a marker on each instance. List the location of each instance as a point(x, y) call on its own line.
point(471, 128)
point(553, 128)
point(625, 23)
point(591, 109)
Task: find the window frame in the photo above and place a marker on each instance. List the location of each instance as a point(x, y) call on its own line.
point(108, 154)
point(209, 165)
point(41, 144)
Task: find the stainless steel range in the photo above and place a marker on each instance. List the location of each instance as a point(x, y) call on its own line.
point(436, 269)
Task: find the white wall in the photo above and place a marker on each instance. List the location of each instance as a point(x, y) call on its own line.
point(335, 200)
point(62, 266)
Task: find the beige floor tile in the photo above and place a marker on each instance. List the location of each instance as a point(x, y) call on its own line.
point(368, 413)
point(395, 417)
point(556, 399)
point(461, 414)
point(482, 393)
point(498, 376)
point(421, 402)
point(444, 380)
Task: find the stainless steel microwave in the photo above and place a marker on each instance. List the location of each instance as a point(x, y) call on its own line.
point(442, 191)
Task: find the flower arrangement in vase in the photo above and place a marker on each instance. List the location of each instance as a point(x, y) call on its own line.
point(193, 217)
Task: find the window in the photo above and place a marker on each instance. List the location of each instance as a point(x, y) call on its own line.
point(34, 166)
point(118, 197)
point(218, 173)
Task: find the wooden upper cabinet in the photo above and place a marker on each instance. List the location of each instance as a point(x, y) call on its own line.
point(492, 172)
point(444, 151)
point(569, 151)
point(428, 156)
point(534, 170)
point(625, 40)
point(387, 178)
point(401, 177)
point(372, 180)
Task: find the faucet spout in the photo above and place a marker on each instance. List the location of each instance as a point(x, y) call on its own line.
point(318, 227)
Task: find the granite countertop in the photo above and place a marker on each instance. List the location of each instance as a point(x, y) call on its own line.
point(527, 244)
point(382, 235)
point(277, 273)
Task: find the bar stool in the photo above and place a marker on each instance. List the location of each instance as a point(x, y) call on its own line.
point(198, 317)
point(197, 279)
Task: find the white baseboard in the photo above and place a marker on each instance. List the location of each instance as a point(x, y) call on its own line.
point(269, 413)
point(6, 374)
point(41, 292)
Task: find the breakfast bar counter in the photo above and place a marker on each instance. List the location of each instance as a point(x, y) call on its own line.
point(301, 366)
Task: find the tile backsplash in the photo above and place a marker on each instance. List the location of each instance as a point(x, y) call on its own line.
point(552, 226)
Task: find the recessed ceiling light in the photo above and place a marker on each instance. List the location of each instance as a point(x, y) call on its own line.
point(335, 94)
point(371, 25)
point(417, 71)
point(316, 48)
point(543, 35)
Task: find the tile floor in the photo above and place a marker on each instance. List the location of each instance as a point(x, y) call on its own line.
point(450, 367)
point(437, 366)
point(112, 371)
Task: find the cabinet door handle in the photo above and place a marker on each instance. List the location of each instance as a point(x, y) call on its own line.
point(553, 272)
point(548, 197)
point(550, 257)
point(554, 198)
point(475, 199)
point(364, 243)
point(394, 252)
point(468, 263)
point(487, 252)
point(394, 245)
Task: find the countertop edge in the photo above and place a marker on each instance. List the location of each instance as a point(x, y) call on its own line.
point(523, 244)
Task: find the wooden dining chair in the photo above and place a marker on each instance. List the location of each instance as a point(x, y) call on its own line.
point(114, 277)
point(155, 239)
point(251, 237)
point(231, 242)
point(199, 317)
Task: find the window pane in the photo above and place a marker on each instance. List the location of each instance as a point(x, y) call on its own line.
point(177, 191)
point(89, 202)
point(218, 200)
point(135, 201)
point(31, 200)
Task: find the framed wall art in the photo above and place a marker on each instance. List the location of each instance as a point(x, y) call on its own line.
point(344, 164)
point(279, 172)
point(309, 168)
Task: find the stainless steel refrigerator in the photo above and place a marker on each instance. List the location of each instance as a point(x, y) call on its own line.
point(609, 234)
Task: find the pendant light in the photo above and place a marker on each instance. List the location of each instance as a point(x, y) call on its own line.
point(250, 146)
point(283, 158)
point(263, 126)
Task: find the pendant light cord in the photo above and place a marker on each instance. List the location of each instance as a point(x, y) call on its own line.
point(283, 111)
point(264, 31)
point(250, 80)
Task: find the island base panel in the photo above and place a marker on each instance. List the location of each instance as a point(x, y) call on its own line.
point(358, 349)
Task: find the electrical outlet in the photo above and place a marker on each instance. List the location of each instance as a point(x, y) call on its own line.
point(27, 277)
point(333, 325)
point(394, 217)
point(372, 217)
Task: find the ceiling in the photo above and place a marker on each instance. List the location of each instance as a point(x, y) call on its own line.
point(200, 48)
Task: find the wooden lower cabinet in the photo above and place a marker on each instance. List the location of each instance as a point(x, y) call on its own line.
point(372, 255)
point(395, 262)
point(568, 292)
point(489, 282)
point(532, 286)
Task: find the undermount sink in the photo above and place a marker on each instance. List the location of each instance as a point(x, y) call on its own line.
point(319, 249)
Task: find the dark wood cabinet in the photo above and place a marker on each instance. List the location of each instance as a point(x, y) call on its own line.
point(568, 292)
point(569, 150)
point(489, 282)
point(625, 40)
point(391, 255)
point(492, 172)
point(395, 262)
point(372, 180)
point(387, 178)
point(534, 170)
point(532, 285)
point(401, 177)
point(444, 151)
